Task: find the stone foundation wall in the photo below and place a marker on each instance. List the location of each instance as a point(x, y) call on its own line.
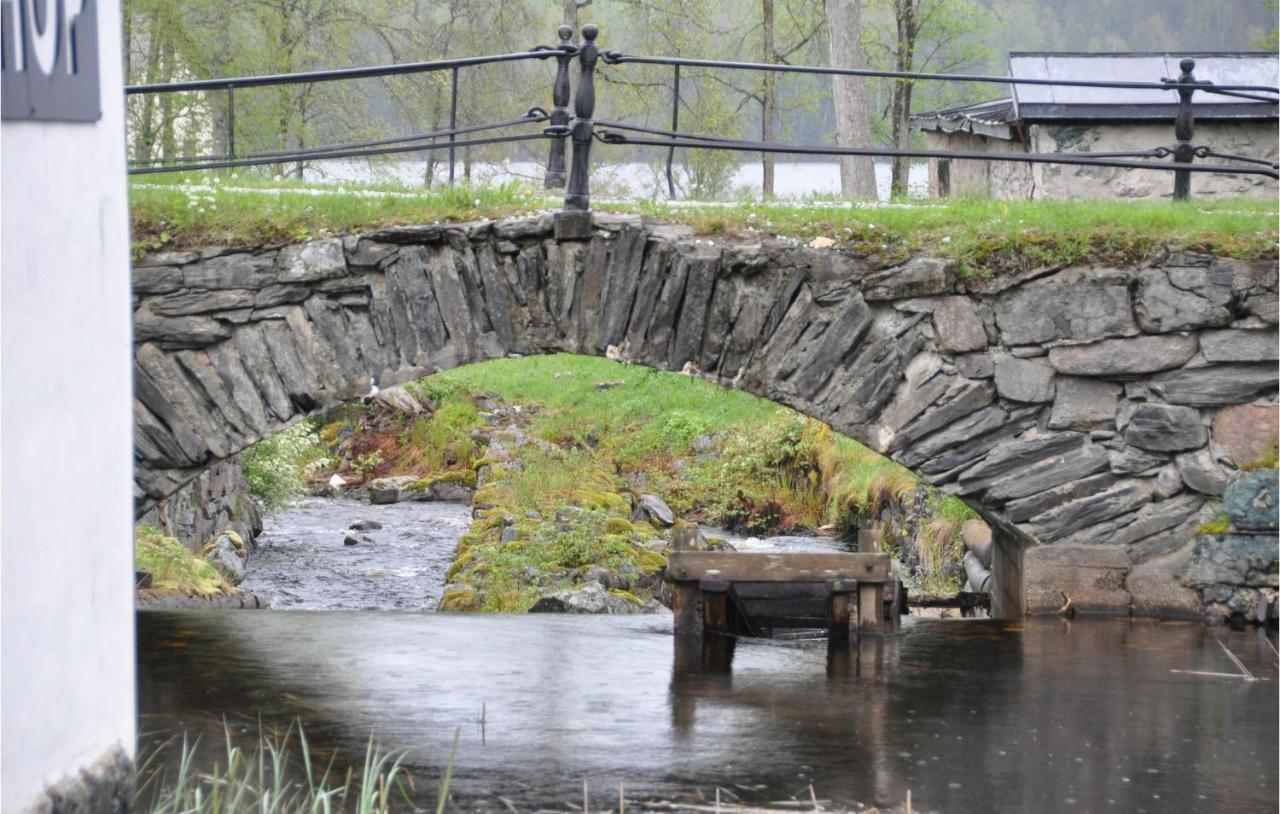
point(216, 501)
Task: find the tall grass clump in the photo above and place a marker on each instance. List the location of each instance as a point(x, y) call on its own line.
point(274, 776)
point(173, 567)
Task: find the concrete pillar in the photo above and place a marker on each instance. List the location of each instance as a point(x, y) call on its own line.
point(66, 449)
point(1008, 593)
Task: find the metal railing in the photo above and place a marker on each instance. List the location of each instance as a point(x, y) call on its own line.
point(579, 128)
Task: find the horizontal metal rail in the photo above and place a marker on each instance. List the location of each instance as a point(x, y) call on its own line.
point(610, 137)
point(529, 118)
point(617, 58)
point(307, 77)
point(304, 155)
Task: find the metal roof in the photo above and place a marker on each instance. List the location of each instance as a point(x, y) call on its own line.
point(1050, 102)
point(1034, 103)
point(984, 119)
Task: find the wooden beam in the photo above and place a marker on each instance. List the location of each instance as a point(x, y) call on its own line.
point(838, 618)
point(687, 608)
point(694, 566)
point(871, 608)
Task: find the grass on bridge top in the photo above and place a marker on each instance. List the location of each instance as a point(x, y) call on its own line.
point(985, 236)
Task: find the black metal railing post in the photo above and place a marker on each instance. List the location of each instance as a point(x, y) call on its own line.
point(675, 129)
point(453, 120)
point(578, 194)
point(560, 93)
point(1183, 130)
point(231, 122)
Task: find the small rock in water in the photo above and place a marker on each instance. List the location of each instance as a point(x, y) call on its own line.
point(365, 525)
point(349, 540)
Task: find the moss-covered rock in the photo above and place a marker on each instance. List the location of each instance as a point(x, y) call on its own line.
point(461, 598)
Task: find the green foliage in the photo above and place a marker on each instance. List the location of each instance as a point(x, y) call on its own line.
point(273, 776)
point(173, 567)
point(275, 468)
point(367, 462)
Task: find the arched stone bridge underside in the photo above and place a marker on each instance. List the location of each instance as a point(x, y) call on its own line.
point(1074, 407)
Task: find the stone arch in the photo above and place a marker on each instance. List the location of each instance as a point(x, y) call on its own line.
point(1071, 406)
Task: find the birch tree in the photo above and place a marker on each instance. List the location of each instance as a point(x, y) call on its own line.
point(849, 96)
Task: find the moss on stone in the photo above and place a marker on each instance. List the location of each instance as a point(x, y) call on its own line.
point(627, 595)
point(600, 500)
point(618, 525)
point(461, 599)
point(1267, 460)
point(1219, 525)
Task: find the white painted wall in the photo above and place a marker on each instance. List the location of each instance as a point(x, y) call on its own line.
point(66, 599)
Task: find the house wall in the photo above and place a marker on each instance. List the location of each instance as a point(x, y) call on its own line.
point(66, 456)
point(1000, 179)
point(1010, 181)
point(1256, 139)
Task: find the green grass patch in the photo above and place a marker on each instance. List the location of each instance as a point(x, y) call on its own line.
point(984, 236)
point(228, 209)
point(173, 567)
point(719, 456)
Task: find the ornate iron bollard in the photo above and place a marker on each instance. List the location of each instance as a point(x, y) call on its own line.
point(1184, 128)
point(560, 110)
point(578, 194)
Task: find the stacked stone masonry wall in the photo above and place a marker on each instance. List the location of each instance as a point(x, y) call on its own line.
point(1092, 415)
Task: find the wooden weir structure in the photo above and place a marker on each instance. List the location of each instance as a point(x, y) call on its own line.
point(754, 594)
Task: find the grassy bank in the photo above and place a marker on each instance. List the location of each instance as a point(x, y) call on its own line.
point(596, 436)
point(985, 236)
point(174, 568)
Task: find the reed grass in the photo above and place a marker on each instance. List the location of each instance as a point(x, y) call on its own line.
point(274, 776)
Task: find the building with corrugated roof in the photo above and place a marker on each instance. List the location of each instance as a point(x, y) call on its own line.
point(1049, 119)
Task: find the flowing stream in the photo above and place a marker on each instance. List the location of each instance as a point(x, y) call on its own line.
point(981, 716)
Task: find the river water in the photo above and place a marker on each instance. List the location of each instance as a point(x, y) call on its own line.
point(981, 716)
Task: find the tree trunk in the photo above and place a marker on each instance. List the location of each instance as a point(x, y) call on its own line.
point(168, 142)
point(849, 95)
point(767, 102)
point(904, 60)
point(145, 142)
point(571, 16)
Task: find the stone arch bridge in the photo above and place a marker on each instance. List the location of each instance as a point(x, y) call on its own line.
point(1086, 412)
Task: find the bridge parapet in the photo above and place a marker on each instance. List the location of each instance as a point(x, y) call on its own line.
point(1090, 411)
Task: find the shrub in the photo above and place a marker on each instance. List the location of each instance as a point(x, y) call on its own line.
point(275, 468)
